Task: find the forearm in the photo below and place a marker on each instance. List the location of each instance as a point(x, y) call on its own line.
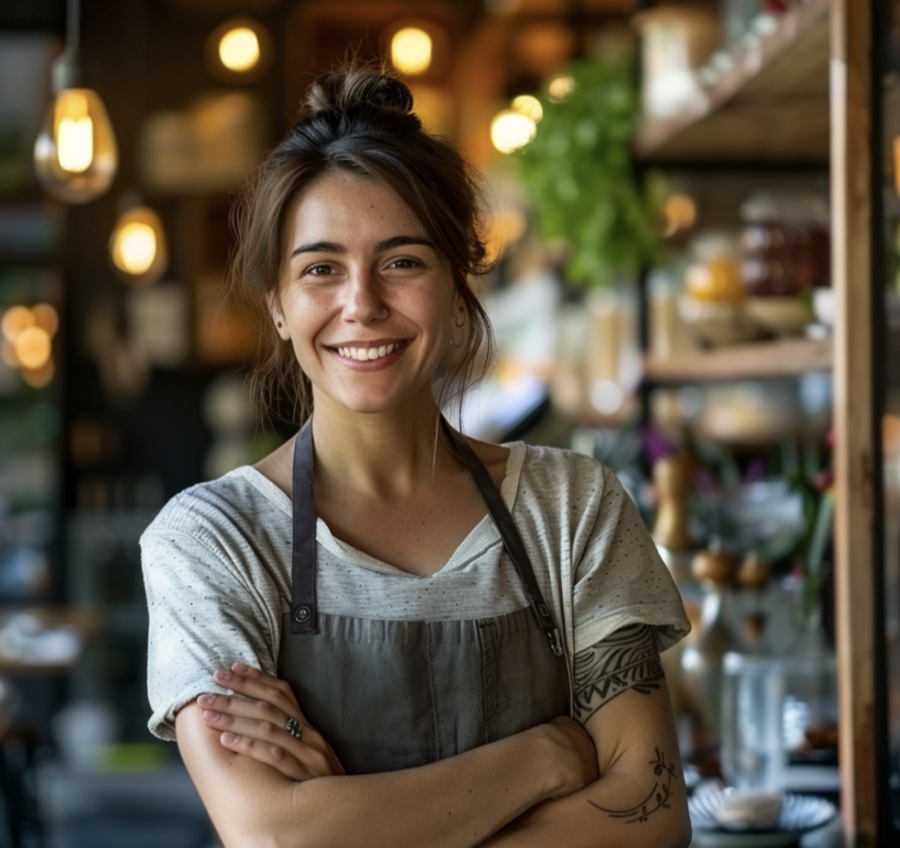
point(455, 803)
point(620, 809)
point(640, 798)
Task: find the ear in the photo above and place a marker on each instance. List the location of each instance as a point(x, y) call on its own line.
point(273, 302)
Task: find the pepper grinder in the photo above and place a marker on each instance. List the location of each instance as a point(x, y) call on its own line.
point(673, 482)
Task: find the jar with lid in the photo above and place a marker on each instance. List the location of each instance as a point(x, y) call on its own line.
point(786, 243)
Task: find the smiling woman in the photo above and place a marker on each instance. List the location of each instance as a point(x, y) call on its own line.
point(360, 125)
point(363, 276)
point(385, 633)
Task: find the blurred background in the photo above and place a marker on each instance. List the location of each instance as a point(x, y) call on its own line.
point(657, 179)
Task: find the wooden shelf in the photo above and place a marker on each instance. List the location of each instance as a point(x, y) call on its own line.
point(771, 106)
point(760, 360)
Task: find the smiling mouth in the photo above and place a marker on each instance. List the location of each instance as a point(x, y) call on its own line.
point(369, 354)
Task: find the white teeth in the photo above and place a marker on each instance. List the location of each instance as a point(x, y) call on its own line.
point(364, 354)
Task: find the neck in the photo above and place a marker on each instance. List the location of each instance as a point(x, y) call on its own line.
point(384, 454)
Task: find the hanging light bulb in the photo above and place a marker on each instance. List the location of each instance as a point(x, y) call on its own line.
point(75, 155)
point(411, 49)
point(511, 130)
point(138, 246)
point(239, 50)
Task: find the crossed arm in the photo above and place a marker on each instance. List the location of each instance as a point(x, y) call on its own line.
point(618, 783)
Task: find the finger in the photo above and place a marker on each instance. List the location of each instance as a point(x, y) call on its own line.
point(259, 690)
point(237, 706)
point(268, 753)
point(265, 678)
point(265, 738)
point(258, 719)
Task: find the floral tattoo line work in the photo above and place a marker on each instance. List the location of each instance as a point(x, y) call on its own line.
point(659, 794)
point(628, 659)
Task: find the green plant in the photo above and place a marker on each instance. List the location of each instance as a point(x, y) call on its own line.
point(579, 175)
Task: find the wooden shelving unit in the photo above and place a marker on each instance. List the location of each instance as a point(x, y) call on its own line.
point(772, 105)
point(805, 95)
point(760, 360)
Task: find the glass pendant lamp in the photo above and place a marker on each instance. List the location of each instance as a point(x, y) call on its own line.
point(75, 154)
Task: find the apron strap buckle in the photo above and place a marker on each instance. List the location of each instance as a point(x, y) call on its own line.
point(555, 641)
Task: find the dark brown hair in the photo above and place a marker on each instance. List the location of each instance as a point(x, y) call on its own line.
point(357, 120)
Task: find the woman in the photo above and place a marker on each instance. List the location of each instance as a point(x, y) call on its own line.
point(385, 633)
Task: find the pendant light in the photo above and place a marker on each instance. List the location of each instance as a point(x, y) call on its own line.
point(137, 246)
point(75, 155)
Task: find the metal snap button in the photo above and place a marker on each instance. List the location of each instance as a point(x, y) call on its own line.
point(543, 610)
point(302, 614)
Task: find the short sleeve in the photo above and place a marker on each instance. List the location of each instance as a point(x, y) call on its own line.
point(204, 615)
point(620, 578)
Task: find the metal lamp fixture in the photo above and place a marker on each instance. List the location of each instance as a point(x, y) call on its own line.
point(75, 155)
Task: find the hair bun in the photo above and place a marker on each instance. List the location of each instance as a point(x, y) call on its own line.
point(358, 90)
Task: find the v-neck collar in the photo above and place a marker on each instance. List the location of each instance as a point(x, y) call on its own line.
point(482, 536)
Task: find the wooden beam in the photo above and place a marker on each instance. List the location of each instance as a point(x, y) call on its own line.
point(856, 599)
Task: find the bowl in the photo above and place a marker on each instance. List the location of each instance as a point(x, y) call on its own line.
point(718, 323)
point(780, 316)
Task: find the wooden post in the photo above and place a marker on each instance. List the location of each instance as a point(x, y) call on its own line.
point(851, 204)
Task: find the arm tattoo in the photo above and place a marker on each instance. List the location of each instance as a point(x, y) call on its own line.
point(626, 660)
point(659, 794)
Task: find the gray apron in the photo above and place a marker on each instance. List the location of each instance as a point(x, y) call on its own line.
point(396, 694)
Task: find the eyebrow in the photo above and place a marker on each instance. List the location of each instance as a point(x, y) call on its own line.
point(387, 244)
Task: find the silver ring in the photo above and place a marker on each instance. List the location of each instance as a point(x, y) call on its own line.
point(293, 727)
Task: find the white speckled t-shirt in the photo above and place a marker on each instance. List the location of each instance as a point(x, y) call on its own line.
point(217, 566)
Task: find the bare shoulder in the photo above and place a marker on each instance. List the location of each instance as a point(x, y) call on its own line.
point(278, 466)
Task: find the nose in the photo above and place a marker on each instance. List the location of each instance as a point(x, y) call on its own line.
point(364, 300)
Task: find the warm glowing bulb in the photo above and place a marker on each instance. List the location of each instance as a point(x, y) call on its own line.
point(33, 348)
point(560, 88)
point(15, 321)
point(239, 49)
point(46, 317)
point(510, 131)
point(528, 106)
point(75, 154)
point(411, 50)
point(74, 131)
point(138, 245)
point(137, 248)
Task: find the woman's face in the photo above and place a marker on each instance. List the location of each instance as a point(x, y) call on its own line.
point(365, 298)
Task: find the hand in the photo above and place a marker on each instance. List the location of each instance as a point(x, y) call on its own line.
point(252, 724)
point(574, 757)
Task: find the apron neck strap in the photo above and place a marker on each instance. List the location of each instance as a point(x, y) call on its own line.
point(512, 541)
point(303, 552)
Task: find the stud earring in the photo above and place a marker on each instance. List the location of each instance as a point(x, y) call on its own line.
point(278, 324)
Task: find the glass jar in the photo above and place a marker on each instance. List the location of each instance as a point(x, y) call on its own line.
point(715, 272)
point(752, 702)
point(786, 243)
